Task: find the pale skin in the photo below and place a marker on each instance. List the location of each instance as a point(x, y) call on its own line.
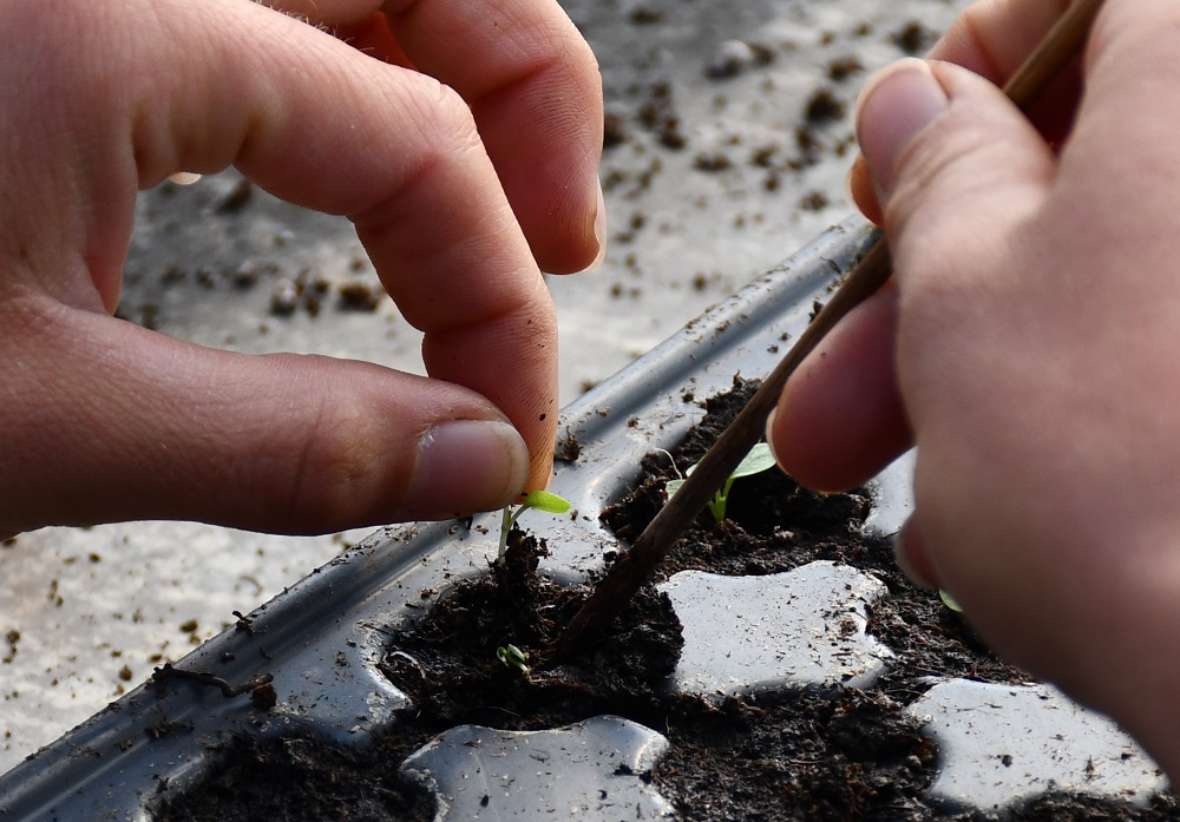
point(1027, 346)
point(461, 137)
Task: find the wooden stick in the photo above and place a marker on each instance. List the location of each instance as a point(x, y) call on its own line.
point(1063, 43)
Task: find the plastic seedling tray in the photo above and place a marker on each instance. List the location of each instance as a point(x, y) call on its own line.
point(321, 639)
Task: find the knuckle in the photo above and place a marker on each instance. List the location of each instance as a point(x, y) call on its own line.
point(446, 118)
point(934, 153)
point(439, 135)
point(444, 128)
point(951, 168)
point(554, 43)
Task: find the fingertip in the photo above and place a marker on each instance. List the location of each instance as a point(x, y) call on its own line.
point(791, 434)
point(770, 435)
point(540, 464)
point(800, 452)
point(540, 476)
point(860, 189)
point(581, 248)
point(912, 558)
point(898, 103)
point(599, 226)
point(840, 418)
point(797, 451)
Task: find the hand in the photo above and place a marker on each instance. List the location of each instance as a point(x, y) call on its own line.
point(1028, 347)
point(461, 174)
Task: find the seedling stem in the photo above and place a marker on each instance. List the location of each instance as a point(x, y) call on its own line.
point(759, 459)
point(541, 500)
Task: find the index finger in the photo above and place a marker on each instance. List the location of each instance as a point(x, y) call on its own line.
point(534, 86)
point(321, 125)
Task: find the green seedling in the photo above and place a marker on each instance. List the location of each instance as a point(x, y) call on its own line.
point(949, 601)
point(512, 657)
point(758, 460)
point(541, 500)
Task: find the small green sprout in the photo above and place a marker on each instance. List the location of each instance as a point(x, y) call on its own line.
point(512, 657)
point(541, 500)
point(758, 460)
point(949, 601)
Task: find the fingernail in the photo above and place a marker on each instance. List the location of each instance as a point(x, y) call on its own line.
point(599, 228)
point(897, 103)
point(184, 178)
point(770, 435)
point(467, 466)
point(902, 558)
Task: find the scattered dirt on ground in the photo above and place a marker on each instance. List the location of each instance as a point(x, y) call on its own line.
point(237, 198)
point(842, 68)
point(658, 114)
point(913, 37)
point(645, 16)
point(712, 162)
point(12, 639)
point(614, 130)
point(824, 107)
point(814, 201)
point(358, 296)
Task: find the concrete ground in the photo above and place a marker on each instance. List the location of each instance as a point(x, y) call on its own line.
point(709, 180)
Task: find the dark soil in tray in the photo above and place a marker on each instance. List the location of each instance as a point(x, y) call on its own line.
point(775, 525)
point(815, 754)
point(447, 664)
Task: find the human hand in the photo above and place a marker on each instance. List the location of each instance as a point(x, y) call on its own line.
point(1027, 346)
point(457, 195)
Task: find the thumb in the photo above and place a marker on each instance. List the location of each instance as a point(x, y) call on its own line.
point(113, 422)
point(947, 149)
point(954, 164)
